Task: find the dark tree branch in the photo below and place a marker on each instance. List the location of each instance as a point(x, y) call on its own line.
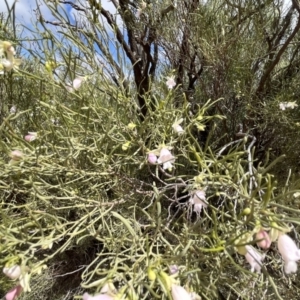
point(271, 66)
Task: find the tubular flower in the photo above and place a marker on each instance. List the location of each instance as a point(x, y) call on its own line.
point(13, 293)
point(31, 136)
point(166, 158)
point(290, 253)
point(87, 296)
point(197, 199)
point(254, 258)
point(264, 240)
point(13, 272)
point(180, 293)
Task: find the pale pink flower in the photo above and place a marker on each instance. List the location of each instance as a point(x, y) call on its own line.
point(264, 240)
point(13, 293)
point(31, 136)
point(152, 158)
point(77, 83)
point(180, 293)
point(12, 272)
point(197, 199)
point(166, 158)
point(289, 252)
point(16, 155)
point(170, 82)
point(254, 258)
point(87, 296)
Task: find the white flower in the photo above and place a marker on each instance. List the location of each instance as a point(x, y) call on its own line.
point(289, 252)
point(254, 258)
point(76, 84)
point(86, 296)
point(177, 128)
point(170, 82)
point(13, 109)
point(292, 105)
point(12, 272)
point(197, 199)
point(180, 293)
point(166, 158)
point(282, 105)
point(285, 105)
point(9, 64)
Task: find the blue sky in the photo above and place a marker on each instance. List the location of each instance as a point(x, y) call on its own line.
point(25, 14)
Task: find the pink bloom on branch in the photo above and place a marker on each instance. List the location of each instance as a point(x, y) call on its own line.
point(166, 158)
point(152, 158)
point(31, 136)
point(13, 293)
point(264, 240)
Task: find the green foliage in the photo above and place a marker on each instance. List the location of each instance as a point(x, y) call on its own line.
point(82, 207)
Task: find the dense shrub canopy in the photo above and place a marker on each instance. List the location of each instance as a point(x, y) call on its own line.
point(149, 150)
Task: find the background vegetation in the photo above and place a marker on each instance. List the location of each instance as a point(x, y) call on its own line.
point(84, 207)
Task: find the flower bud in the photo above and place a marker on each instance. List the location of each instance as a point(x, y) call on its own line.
point(13, 293)
point(31, 136)
point(152, 158)
point(166, 279)
point(151, 274)
point(264, 240)
point(16, 155)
